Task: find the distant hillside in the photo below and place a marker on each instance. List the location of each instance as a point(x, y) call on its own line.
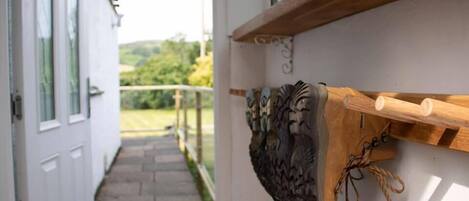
point(137, 53)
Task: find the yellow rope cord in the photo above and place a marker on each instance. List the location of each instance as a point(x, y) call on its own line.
point(384, 177)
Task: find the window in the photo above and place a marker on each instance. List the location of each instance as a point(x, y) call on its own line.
point(46, 60)
point(73, 57)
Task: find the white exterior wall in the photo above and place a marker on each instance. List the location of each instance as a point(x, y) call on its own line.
point(236, 66)
point(407, 46)
point(104, 73)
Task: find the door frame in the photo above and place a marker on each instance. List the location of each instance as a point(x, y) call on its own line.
point(7, 184)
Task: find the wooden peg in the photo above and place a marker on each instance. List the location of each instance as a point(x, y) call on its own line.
point(360, 104)
point(398, 110)
point(366, 105)
point(445, 114)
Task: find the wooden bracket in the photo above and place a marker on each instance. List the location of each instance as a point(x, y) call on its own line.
point(284, 45)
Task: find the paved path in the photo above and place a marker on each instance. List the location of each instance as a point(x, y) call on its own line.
point(149, 169)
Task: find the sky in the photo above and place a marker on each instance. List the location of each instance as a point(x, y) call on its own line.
point(163, 19)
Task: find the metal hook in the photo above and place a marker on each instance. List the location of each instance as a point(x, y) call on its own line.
point(362, 120)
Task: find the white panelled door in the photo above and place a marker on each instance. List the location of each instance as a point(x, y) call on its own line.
point(53, 143)
point(6, 152)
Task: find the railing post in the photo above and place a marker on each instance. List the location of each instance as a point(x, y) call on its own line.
point(185, 106)
point(198, 103)
point(177, 98)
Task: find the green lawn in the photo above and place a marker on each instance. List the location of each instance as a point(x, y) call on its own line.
point(208, 150)
point(159, 119)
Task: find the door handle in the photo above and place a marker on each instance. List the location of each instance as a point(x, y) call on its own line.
point(95, 91)
point(92, 92)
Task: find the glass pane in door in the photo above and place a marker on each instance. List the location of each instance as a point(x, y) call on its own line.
point(73, 57)
point(45, 59)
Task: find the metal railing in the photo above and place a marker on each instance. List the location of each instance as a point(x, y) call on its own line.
point(182, 131)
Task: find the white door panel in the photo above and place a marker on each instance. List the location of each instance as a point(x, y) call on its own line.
point(54, 135)
point(6, 155)
point(50, 179)
point(78, 173)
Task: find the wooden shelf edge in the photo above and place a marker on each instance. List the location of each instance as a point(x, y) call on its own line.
point(267, 17)
point(291, 17)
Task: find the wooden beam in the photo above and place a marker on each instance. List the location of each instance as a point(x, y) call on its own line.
point(383, 153)
point(238, 92)
point(165, 87)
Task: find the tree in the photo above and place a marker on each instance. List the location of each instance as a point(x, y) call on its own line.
point(170, 62)
point(186, 51)
point(160, 69)
point(203, 71)
point(164, 69)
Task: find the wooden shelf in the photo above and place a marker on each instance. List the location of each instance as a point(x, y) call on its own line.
point(291, 17)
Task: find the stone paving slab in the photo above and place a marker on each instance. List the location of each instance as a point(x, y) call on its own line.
point(169, 188)
point(145, 146)
point(159, 152)
point(169, 166)
point(127, 168)
point(169, 141)
point(127, 198)
point(131, 177)
point(165, 146)
point(178, 198)
point(120, 189)
point(133, 142)
point(149, 169)
point(173, 176)
point(126, 153)
point(168, 158)
point(135, 160)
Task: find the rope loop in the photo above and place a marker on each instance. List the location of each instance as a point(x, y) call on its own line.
point(385, 178)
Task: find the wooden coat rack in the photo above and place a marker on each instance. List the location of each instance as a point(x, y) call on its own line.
point(433, 119)
point(353, 117)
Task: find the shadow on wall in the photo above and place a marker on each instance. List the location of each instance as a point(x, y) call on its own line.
point(431, 181)
point(423, 174)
